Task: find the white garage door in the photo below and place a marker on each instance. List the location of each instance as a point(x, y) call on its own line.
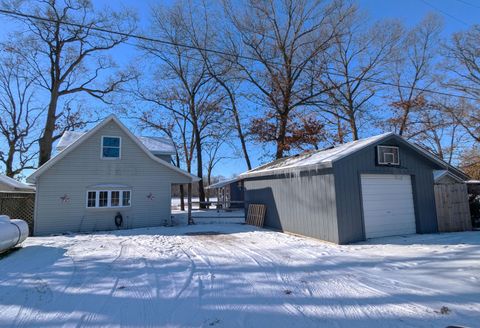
point(387, 205)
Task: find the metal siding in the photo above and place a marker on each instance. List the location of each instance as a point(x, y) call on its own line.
point(348, 189)
point(82, 168)
point(301, 203)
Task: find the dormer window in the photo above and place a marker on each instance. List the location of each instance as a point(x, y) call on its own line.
point(111, 147)
point(388, 155)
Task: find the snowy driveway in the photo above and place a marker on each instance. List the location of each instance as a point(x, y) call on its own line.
point(174, 277)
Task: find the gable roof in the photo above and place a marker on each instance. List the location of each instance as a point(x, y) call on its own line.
point(14, 184)
point(325, 158)
point(86, 135)
point(439, 174)
point(222, 183)
point(156, 145)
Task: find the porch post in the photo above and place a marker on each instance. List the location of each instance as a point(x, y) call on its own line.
point(189, 195)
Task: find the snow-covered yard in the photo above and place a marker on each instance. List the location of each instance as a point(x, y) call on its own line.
point(242, 277)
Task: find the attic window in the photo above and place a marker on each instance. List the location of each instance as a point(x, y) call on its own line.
point(111, 147)
point(388, 155)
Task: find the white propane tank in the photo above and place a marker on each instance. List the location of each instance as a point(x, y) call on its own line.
point(12, 232)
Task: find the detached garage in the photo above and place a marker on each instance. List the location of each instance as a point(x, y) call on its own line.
point(375, 187)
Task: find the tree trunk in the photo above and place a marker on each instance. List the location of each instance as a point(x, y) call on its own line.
point(189, 195)
point(403, 123)
point(198, 148)
point(182, 196)
point(182, 190)
point(46, 141)
point(353, 127)
point(282, 133)
point(9, 162)
point(238, 125)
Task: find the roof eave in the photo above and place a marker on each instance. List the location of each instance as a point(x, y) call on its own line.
point(285, 170)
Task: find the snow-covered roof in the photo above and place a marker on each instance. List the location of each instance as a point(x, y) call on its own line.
point(14, 184)
point(156, 145)
point(324, 158)
point(316, 157)
point(222, 183)
point(111, 118)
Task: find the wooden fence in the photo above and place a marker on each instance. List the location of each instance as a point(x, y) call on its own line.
point(18, 205)
point(453, 212)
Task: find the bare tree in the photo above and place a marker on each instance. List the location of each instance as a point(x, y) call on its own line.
point(185, 71)
point(18, 117)
point(174, 125)
point(438, 131)
point(225, 73)
point(412, 71)
point(285, 38)
point(462, 62)
point(470, 162)
point(65, 50)
point(359, 55)
point(213, 155)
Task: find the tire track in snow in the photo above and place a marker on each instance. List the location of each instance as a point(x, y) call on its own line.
point(267, 266)
point(353, 282)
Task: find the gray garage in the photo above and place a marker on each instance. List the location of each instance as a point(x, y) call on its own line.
point(374, 187)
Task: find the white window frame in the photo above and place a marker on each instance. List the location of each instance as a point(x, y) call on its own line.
point(380, 159)
point(109, 198)
point(119, 148)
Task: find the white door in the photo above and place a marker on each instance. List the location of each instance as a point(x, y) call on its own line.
point(387, 205)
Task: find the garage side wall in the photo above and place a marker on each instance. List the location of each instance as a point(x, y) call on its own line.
point(348, 188)
point(299, 203)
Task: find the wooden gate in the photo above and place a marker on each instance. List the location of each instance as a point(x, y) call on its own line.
point(18, 205)
point(453, 212)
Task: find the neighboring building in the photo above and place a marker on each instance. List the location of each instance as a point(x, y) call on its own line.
point(100, 174)
point(378, 186)
point(229, 192)
point(447, 177)
point(11, 185)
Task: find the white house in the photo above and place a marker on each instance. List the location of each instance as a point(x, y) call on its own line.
point(105, 179)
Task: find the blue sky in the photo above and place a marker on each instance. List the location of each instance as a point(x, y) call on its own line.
point(457, 15)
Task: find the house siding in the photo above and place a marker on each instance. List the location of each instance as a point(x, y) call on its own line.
point(349, 192)
point(83, 168)
point(302, 203)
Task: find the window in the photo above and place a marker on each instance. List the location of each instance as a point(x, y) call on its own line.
point(111, 147)
point(108, 198)
point(388, 155)
point(91, 199)
point(115, 199)
point(103, 199)
point(126, 198)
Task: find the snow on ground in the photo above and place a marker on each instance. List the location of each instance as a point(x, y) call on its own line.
point(186, 276)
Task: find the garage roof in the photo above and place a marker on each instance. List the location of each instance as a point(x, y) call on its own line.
point(326, 157)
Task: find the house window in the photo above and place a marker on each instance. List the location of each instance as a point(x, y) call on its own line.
point(103, 199)
point(115, 199)
point(111, 147)
point(126, 198)
point(91, 199)
point(388, 155)
point(108, 198)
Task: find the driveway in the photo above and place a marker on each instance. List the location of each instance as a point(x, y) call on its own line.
point(232, 275)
